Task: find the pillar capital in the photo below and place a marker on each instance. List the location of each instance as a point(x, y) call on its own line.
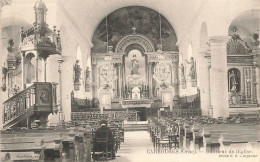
point(202, 51)
point(218, 40)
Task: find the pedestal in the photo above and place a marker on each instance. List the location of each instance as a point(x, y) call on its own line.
point(77, 86)
point(193, 82)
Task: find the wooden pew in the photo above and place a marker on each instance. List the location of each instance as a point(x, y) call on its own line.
point(22, 149)
point(20, 156)
point(212, 135)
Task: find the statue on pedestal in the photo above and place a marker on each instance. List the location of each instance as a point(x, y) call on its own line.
point(192, 68)
point(77, 72)
point(77, 75)
point(233, 82)
point(182, 71)
point(87, 80)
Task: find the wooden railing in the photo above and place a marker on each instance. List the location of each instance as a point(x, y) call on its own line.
point(190, 102)
point(40, 97)
point(19, 103)
point(83, 105)
point(107, 115)
point(189, 106)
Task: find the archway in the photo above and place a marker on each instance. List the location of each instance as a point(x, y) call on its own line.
point(138, 45)
point(134, 20)
point(241, 51)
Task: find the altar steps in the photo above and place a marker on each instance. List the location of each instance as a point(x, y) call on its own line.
point(135, 126)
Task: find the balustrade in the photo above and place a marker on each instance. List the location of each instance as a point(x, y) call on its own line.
point(40, 97)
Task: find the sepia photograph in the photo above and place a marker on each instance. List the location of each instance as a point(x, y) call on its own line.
point(130, 81)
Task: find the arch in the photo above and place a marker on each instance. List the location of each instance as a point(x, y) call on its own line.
point(134, 21)
point(203, 35)
point(117, 6)
point(141, 40)
point(30, 73)
point(245, 24)
point(15, 20)
point(134, 46)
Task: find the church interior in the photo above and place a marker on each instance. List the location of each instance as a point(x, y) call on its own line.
point(171, 78)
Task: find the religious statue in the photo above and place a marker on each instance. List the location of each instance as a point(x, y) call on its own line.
point(44, 97)
point(182, 71)
point(192, 68)
point(233, 81)
point(77, 72)
point(135, 66)
point(11, 47)
point(256, 41)
point(4, 72)
point(87, 80)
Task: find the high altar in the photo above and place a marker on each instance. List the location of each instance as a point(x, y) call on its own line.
point(135, 74)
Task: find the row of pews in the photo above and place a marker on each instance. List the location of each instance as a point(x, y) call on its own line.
point(198, 134)
point(46, 145)
point(60, 144)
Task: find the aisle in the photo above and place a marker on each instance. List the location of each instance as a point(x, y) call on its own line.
point(135, 147)
point(138, 147)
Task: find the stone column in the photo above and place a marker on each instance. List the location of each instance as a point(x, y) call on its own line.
point(67, 85)
point(94, 88)
point(176, 97)
point(61, 115)
point(203, 76)
point(218, 76)
point(150, 79)
point(256, 55)
point(123, 79)
point(23, 70)
point(120, 80)
point(37, 66)
point(176, 77)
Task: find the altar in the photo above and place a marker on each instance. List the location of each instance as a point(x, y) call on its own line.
point(135, 74)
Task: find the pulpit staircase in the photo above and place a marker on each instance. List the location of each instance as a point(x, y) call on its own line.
point(33, 103)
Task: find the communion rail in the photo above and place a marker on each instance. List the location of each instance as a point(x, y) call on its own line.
point(189, 107)
point(38, 100)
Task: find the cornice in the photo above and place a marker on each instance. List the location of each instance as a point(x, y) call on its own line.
point(219, 40)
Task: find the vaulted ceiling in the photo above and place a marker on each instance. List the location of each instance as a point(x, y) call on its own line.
point(88, 14)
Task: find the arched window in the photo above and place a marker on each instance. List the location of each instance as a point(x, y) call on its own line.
point(30, 68)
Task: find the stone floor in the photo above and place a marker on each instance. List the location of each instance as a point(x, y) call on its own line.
point(139, 148)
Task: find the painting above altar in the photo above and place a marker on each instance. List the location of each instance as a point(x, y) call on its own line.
point(135, 69)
